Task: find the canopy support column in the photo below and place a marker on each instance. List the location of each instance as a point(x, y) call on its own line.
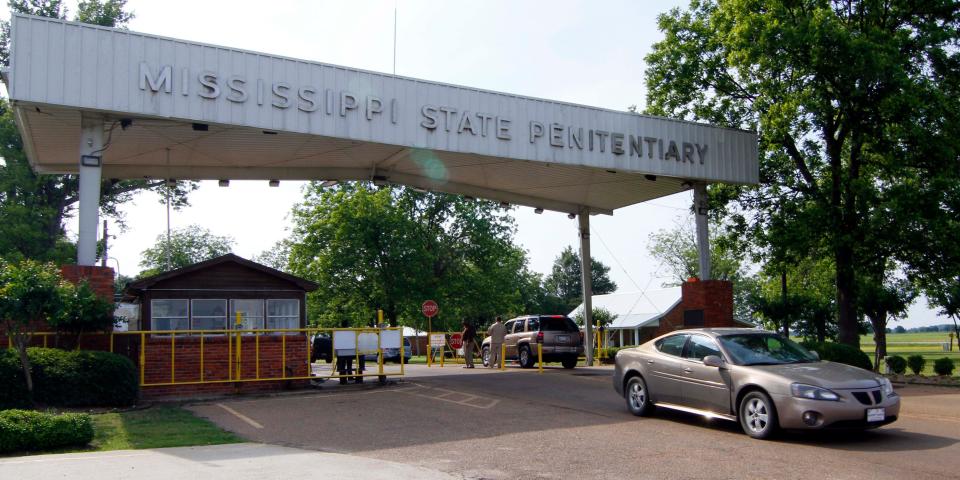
point(586, 280)
point(91, 149)
point(703, 235)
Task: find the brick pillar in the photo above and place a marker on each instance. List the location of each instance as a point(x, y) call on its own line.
point(714, 297)
point(100, 279)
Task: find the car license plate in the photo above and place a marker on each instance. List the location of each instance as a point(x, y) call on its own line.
point(876, 414)
point(563, 338)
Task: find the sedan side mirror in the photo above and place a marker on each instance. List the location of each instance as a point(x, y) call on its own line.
point(713, 361)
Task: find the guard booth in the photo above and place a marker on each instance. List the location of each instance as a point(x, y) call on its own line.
point(109, 103)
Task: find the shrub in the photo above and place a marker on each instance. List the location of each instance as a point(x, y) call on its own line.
point(13, 387)
point(69, 378)
point(841, 353)
point(897, 364)
point(25, 430)
point(916, 363)
point(943, 366)
point(82, 378)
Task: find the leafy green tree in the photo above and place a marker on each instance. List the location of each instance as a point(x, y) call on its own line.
point(82, 310)
point(565, 283)
point(33, 207)
point(601, 316)
point(188, 245)
point(855, 103)
point(30, 296)
point(392, 248)
point(277, 257)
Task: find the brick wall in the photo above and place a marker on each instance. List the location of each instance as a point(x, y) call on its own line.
point(714, 297)
point(219, 362)
point(99, 278)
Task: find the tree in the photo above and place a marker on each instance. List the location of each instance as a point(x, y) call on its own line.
point(601, 316)
point(277, 257)
point(188, 245)
point(33, 207)
point(30, 296)
point(881, 301)
point(565, 282)
point(82, 310)
point(391, 248)
point(855, 103)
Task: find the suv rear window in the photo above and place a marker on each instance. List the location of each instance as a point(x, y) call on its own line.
point(558, 324)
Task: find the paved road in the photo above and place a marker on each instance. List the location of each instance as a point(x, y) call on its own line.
point(570, 424)
point(243, 461)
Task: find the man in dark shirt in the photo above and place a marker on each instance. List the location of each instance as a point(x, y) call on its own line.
point(469, 334)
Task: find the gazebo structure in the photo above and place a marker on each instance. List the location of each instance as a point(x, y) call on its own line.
point(110, 103)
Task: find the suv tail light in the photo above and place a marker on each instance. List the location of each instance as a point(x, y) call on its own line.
point(540, 337)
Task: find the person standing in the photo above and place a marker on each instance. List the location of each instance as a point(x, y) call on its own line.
point(496, 332)
point(469, 334)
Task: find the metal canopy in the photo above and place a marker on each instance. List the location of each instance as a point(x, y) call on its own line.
point(176, 109)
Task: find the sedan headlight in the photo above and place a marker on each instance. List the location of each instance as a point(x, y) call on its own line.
point(814, 393)
point(886, 386)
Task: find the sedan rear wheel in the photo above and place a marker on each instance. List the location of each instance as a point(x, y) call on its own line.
point(638, 400)
point(758, 418)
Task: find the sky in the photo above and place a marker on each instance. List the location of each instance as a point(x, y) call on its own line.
point(585, 52)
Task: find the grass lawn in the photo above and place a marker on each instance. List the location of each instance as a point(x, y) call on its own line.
point(156, 427)
point(927, 344)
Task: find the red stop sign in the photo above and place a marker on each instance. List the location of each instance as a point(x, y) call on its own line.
point(429, 308)
point(456, 341)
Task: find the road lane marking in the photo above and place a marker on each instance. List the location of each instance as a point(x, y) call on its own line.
point(469, 400)
point(241, 416)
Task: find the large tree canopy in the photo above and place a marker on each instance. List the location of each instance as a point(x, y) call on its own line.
point(33, 207)
point(392, 248)
point(856, 105)
point(565, 281)
point(186, 246)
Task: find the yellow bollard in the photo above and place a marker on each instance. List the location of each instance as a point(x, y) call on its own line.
point(503, 356)
point(429, 363)
point(540, 357)
point(442, 354)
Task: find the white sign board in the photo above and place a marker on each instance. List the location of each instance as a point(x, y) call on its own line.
point(438, 340)
point(390, 339)
point(367, 342)
point(344, 340)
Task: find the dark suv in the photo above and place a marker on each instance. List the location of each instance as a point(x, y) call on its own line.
point(559, 335)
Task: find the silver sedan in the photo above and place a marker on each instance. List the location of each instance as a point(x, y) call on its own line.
point(759, 378)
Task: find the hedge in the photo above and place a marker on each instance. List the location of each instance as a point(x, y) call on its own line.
point(69, 378)
point(897, 364)
point(841, 353)
point(916, 363)
point(943, 366)
point(26, 430)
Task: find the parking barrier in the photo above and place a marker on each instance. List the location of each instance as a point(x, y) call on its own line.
point(540, 357)
point(503, 356)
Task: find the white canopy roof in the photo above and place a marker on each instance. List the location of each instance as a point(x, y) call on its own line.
point(636, 309)
point(186, 110)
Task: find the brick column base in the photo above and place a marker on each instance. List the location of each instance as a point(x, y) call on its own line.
point(100, 279)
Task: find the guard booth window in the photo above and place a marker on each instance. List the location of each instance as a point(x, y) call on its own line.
point(251, 313)
point(168, 314)
point(208, 314)
point(283, 314)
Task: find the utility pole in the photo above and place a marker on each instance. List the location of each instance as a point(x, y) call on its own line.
point(106, 240)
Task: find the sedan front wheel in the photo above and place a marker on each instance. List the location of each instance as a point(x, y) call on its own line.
point(758, 417)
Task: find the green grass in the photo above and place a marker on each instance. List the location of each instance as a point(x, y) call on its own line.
point(157, 427)
point(906, 344)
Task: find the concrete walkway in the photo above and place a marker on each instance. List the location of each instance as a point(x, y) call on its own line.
point(218, 462)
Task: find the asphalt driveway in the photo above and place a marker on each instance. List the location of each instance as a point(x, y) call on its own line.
point(570, 424)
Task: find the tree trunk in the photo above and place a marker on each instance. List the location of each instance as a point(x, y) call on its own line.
point(879, 323)
point(847, 318)
point(783, 298)
point(22, 340)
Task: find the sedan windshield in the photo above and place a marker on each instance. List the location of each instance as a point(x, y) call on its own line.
point(764, 349)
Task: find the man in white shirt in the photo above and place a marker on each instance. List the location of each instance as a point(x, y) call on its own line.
point(497, 332)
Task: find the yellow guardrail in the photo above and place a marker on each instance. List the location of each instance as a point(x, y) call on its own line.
point(234, 340)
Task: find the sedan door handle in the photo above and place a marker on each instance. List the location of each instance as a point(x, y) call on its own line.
point(650, 362)
point(688, 370)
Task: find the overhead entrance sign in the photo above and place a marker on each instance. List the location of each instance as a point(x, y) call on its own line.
point(185, 110)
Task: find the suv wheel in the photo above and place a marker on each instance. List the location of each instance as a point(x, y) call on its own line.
point(758, 417)
point(569, 362)
point(526, 358)
point(637, 397)
point(485, 355)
